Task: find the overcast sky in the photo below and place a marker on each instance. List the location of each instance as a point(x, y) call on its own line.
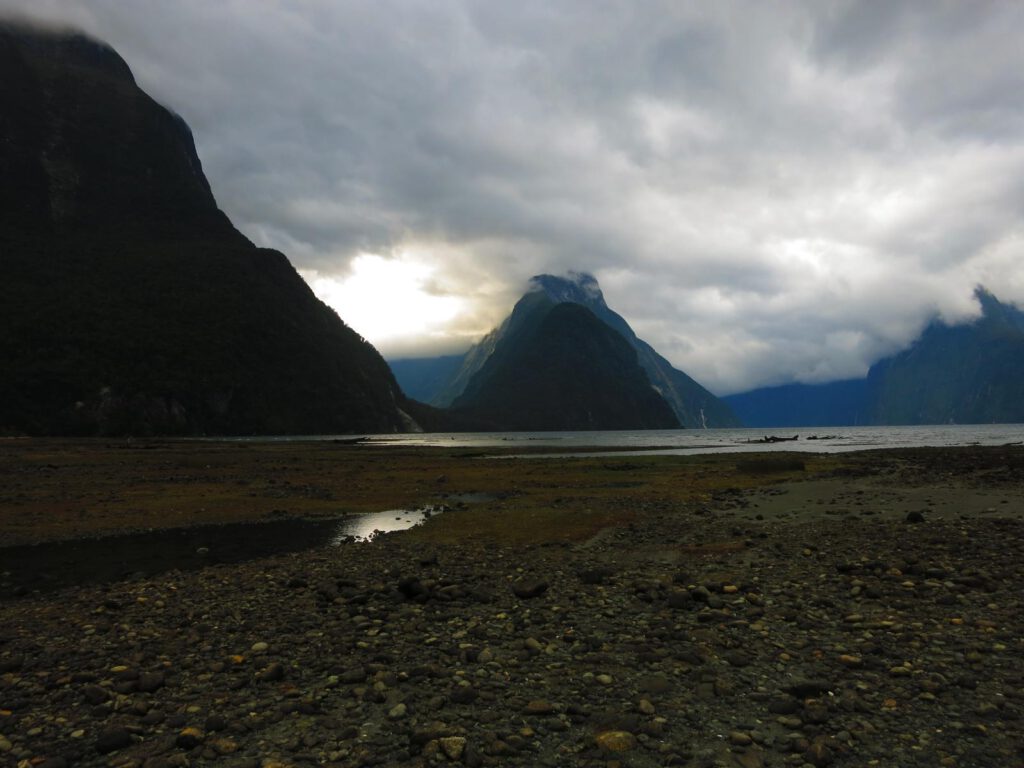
point(766, 191)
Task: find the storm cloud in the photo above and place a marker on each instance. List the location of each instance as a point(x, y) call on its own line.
point(768, 192)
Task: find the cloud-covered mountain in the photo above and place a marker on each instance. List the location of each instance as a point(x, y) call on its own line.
point(964, 373)
point(692, 405)
point(128, 302)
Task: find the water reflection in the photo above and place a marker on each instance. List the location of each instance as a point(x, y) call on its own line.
point(365, 527)
point(58, 564)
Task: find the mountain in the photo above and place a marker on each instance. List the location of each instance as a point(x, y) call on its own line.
point(970, 373)
point(692, 405)
point(422, 377)
point(560, 368)
point(129, 304)
point(804, 405)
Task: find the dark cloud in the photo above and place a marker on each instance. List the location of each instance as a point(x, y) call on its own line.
point(767, 192)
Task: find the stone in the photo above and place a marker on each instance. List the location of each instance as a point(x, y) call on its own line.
point(737, 658)
point(805, 689)
point(398, 711)
point(223, 745)
point(151, 681)
point(453, 746)
point(353, 675)
point(818, 755)
point(616, 741)
point(95, 694)
point(112, 739)
point(679, 599)
point(594, 576)
point(526, 589)
point(654, 684)
point(190, 738)
point(271, 673)
point(539, 707)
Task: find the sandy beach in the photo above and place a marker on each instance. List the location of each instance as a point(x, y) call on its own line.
point(849, 610)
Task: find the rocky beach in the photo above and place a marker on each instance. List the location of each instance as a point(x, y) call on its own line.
point(755, 610)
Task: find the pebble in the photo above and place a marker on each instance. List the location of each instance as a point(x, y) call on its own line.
point(112, 739)
point(189, 738)
point(453, 746)
point(616, 741)
point(628, 666)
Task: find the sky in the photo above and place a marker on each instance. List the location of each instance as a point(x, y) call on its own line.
point(767, 191)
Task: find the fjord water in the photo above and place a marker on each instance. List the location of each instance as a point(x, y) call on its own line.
point(698, 441)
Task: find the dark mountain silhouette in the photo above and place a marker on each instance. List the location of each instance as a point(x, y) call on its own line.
point(558, 367)
point(692, 405)
point(128, 301)
point(970, 373)
point(804, 405)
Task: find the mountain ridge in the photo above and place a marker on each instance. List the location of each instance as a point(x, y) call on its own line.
point(130, 304)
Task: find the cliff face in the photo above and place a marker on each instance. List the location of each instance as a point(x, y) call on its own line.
point(128, 301)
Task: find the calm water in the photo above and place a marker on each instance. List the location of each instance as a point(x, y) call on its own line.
point(59, 564)
point(694, 441)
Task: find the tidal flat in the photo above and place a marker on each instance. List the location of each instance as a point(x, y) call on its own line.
point(731, 610)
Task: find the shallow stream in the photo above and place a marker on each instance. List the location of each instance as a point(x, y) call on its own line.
point(53, 565)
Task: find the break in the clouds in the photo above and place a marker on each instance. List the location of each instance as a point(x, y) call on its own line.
point(767, 191)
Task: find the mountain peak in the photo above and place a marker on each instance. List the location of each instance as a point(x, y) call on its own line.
point(573, 287)
point(55, 45)
point(995, 311)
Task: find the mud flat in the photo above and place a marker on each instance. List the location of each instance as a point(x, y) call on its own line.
point(853, 610)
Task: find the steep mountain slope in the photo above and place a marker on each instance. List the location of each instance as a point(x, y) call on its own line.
point(972, 373)
point(128, 301)
point(561, 368)
point(963, 374)
point(693, 405)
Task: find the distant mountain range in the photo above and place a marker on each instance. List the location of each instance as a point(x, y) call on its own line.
point(129, 304)
point(565, 359)
point(971, 373)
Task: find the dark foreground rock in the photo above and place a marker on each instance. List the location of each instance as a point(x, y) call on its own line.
point(694, 638)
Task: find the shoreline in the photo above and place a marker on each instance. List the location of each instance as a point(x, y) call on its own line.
point(595, 612)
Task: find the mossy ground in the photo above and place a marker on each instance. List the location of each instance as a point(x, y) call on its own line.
point(53, 489)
